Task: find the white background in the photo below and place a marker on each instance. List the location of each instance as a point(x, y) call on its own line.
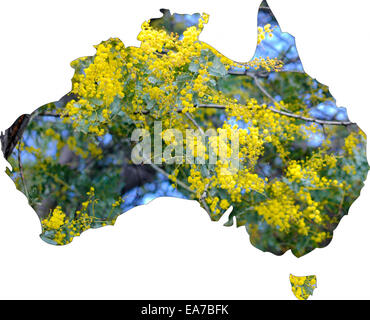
point(169, 248)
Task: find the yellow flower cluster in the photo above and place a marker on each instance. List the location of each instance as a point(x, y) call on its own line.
point(281, 209)
point(309, 171)
point(66, 229)
point(351, 142)
point(303, 287)
point(72, 144)
point(212, 203)
point(197, 146)
point(311, 212)
point(102, 78)
point(51, 133)
point(215, 205)
point(230, 139)
point(35, 151)
point(55, 220)
point(197, 182)
point(269, 64)
point(263, 31)
point(349, 169)
point(95, 151)
point(98, 85)
point(277, 130)
point(320, 237)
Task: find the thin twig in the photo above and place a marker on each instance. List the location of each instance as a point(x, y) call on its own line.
point(195, 123)
point(318, 121)
point(245, 72)
point(260, 74)
point(182, 184)
point(263, 90)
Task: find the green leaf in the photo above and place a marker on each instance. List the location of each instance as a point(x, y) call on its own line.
point(217, 68)
point(194, 67)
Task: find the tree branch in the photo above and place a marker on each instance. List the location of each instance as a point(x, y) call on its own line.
point(49, 114)
point(213, 106)
point(296, 116)
point(263, 90)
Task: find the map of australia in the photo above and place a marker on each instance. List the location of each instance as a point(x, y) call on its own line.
point(175, 117)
